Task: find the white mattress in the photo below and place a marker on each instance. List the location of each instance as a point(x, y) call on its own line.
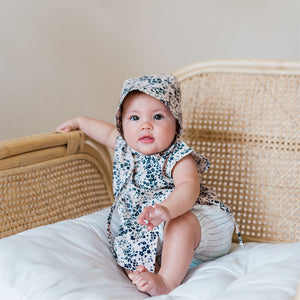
point(71, 260)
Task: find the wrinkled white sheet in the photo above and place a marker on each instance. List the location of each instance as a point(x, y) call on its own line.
point(71, 260)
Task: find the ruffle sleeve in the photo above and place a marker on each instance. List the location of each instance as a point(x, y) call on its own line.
point(178, 151)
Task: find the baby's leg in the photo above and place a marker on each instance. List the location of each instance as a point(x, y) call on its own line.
point(181, 237)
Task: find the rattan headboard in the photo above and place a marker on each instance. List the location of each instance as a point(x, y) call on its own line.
point(51, 177)
point(245, 117)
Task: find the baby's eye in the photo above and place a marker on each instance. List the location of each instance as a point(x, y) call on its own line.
point(134, 118)
point(158, 117)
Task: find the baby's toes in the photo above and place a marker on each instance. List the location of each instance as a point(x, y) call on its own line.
point(141, 269)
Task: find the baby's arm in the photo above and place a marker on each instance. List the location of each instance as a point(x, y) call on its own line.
point(101, 131)
point(181, 200)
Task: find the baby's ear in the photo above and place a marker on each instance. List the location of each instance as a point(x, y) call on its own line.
point(178, 127)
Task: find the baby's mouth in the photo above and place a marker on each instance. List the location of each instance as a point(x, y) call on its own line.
point(146, 139)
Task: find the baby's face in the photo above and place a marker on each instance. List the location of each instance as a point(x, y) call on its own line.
point(148, 125)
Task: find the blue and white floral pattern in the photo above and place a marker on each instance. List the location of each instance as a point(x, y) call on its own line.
point(139, 181)
point(142, 180)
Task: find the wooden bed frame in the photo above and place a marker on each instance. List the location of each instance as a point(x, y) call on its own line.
point(242, 115)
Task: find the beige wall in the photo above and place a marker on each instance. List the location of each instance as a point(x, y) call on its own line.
point(62, 58)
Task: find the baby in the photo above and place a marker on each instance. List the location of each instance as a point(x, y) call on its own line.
point(168, 219)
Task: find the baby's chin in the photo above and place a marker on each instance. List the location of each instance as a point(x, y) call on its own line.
point(149, 151)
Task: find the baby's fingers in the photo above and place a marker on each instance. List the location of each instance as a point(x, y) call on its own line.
point(68, 125)
point(63, 128)
point(141, 218)
point(145, 215)
point(150, 226)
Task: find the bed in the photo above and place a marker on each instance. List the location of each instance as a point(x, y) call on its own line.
point(56, 190)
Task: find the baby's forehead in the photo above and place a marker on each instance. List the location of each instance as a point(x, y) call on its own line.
point(138, 100)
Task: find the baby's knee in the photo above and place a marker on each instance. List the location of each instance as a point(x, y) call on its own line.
point(187, 221)
point(187, 226)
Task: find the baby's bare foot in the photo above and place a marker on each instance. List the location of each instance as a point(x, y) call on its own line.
point(150, 283)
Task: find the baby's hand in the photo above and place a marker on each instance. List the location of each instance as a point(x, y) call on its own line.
point(152, 216)
point(68, 125)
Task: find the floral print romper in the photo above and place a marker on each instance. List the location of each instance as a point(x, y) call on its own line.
point(142, 180)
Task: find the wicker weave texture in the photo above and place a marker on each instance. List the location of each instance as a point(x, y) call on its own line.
point(52, 190)
point(248, 125)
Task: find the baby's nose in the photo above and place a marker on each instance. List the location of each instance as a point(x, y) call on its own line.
point(146, 126)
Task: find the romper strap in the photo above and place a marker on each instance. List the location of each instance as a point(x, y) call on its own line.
point(108, 228)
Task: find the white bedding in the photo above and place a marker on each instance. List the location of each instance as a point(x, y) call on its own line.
point(71, 260)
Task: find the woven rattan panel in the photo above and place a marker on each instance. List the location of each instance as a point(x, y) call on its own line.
point(248, 126)
point(50, 192)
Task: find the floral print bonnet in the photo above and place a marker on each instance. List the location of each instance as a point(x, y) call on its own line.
point(163, 87)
